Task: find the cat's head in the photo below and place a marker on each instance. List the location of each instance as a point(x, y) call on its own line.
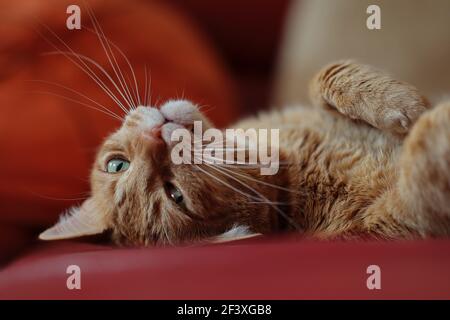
point(143, 197)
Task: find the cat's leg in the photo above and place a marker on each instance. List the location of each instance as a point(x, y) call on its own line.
point(424, 181)
point(418, 203)
point(361, 92)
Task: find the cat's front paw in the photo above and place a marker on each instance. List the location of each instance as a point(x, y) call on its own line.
point(181, 114)
point(365, 93)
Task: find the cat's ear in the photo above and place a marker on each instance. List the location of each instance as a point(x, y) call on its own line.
point(237, 232)
point(77, 222)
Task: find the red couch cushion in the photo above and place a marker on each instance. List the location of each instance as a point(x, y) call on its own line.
point(248, 269)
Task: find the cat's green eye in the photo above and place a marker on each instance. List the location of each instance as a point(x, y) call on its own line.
point(117, 165)
point(174, 193)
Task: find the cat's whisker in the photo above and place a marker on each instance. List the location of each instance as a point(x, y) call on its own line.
point(226, 184)
point(81, 103)
point(81, 64)
point(180, 97)
point(84, 195)
point(135, 81)
point(270, 202)
point(145, 86)
point(260, 198)
point(240, 163)
point(259, 181)
point(166, 234)
point(99, 67)
point(158, 101)
point(105, 43)
point(123, 82)
point(223, 171)
point(135, 95)
point(212, 147)
point(81, 95)
point(281, 212)
point(62, 199)
point(205, 146)
point(149, 91)
point(275, 207)
point(225, 165)
point(257, 199)
point(221, 149)
point(205, 108)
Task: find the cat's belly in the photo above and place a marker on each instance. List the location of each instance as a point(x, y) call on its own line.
point(338, 169)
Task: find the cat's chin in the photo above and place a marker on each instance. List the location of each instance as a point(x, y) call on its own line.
point(237, 232)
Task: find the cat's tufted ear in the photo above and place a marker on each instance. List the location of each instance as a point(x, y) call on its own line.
point(80, 221)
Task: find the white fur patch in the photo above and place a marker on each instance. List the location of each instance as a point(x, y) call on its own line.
point(180, 111)
point(151, 117)
point(237, 232)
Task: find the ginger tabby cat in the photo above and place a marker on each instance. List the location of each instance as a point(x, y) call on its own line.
point(372, 158)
